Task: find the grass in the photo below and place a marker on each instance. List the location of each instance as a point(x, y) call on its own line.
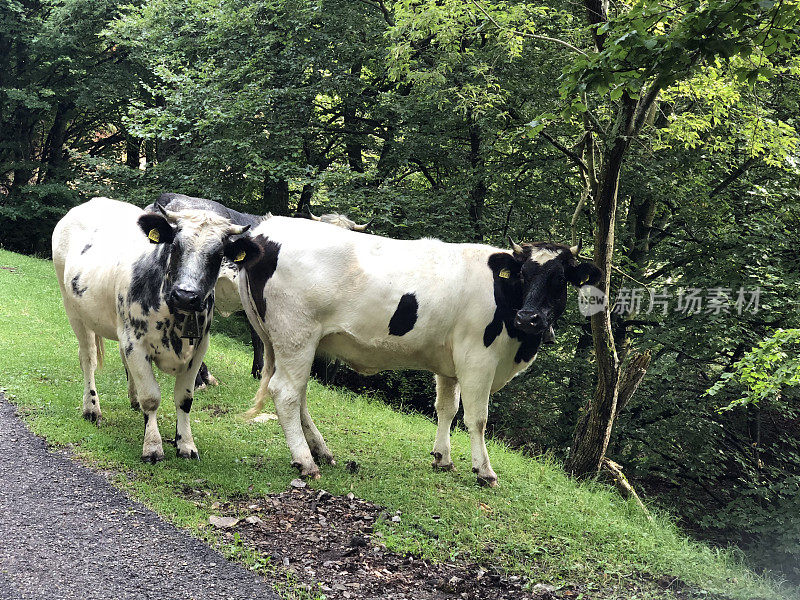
point(538, 522)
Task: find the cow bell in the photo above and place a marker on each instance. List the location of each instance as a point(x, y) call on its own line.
point(191, 327)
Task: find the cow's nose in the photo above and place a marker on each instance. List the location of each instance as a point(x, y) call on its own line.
point(529, 322)
point(185, 299)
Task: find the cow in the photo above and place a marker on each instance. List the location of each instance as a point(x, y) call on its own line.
point(226, 293)
point(472, 314)
point(227, 289)
point(147, 280)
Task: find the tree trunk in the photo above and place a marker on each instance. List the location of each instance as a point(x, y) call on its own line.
point(304, 204)
point(594, 428)
point(275, 196)
point(132, 146)
point(352, 143)
point(477, 195)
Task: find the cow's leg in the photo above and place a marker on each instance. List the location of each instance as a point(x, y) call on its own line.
point(319, 449)
point(149, 396)
point(184, 396)
point(287, 386)
point(447, 399)
point(204, 378)
point(88, 353)
point(131, 386)
point(475, 396)
point(258, 353)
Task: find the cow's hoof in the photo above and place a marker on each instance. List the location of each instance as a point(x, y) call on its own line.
point(190, 453)
point(93, 416)
point(325, 457)
point(486, 480)
point(437, 466)
point(200, 388)
point(311, 472)
point(153, 457)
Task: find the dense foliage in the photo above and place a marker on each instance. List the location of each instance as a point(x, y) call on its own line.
point(472, 121)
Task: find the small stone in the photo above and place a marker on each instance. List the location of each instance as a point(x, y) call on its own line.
point(543, 587)
point(396, 519)
point(285, 561)
point(265, 418)
point(298, 483)
point(350, 496)
point(223, 522)
point(253, 520)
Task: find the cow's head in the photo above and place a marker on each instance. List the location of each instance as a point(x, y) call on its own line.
point(537, 275)
point(195, 241)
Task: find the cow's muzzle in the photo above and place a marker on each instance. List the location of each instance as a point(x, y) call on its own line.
point(185, 299)
point(531, 322)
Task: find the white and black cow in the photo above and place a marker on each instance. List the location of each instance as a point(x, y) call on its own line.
point(227, 288)
point(147, 280)
point(472, 314)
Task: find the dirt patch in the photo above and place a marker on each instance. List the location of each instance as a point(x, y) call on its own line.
point(329, 545)
point(216, 410)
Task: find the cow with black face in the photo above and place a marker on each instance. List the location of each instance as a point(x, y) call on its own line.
point(472, 314)
point(146, 280)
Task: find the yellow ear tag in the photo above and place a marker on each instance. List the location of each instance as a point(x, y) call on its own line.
point(239, 257)
point(585, 279)
point(154, 236)
point(504, 273)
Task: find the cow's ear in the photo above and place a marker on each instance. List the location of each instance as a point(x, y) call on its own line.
point(504, 265)
point(583, 274)
point(242, 251)
point(156, 228)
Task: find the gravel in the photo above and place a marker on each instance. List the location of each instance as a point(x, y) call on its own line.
point(66, 532)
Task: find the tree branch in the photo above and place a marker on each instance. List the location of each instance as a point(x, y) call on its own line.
point(732, 176)
point(575, 158)
point(525, 34)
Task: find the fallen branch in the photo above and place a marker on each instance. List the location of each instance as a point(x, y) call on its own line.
point(623, 485)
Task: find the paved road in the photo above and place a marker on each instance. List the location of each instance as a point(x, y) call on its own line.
point(66, 533)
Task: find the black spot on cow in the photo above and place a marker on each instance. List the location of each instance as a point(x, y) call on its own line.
point(259, 258)
point(146, 418)
point(405, 316)
point(186, 404)
point(86, 248)
point(76, 288)
point(140, 327)
point(148, 278)
point(92, 393)
point(508, 300)
point(159, 325)
point(128, 350)
point(177, 343)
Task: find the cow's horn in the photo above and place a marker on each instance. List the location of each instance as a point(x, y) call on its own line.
point(515, 246)
point(364, 226)
point(313, 216)
point(576, 250)
point(171, 216)
point(238, 229)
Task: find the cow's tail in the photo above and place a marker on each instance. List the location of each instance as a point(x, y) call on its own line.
point(260, 399)
point(101, 350)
